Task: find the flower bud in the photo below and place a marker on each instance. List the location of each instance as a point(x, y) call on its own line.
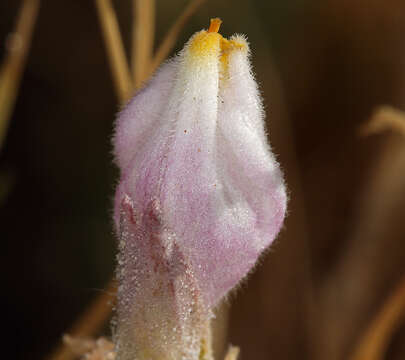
point(200, 197)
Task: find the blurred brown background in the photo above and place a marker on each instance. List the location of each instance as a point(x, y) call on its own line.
point(323, 67)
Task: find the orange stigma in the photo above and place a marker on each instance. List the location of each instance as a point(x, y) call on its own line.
point(214, 25)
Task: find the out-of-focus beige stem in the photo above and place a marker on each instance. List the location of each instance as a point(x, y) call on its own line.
point(220, 329)
point(88, 323)
point(115, 49)
point(233, 353)
point(18, 44)
point(384, 118)
point(167, 45)
point(373, 344)
point(142, 39)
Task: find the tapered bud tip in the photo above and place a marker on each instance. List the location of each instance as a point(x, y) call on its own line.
point(215, 25)
point(210, 45)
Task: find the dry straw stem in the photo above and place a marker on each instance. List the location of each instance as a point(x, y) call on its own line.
point(18, 44)
point(384, 118)
point(233, 353)
point(142, 39)
point(88, 324)
point(356, 280)
point(115, 49)
point(169, 41)
point(219, 326)
point(375, 341)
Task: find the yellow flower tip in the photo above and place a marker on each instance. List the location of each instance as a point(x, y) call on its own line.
point(205, 44)
point(237, 42)
point(210, 44)
point(215, 25)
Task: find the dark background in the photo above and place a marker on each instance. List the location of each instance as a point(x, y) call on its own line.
point(323, 67)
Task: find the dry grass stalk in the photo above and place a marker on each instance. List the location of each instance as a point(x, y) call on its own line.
point(115, 49)
point(18, 44)
point(219, 326)
point(353, 285)
point(142, 39)
point(375, 341)
point(233, 353)
point(169, 41)
point(385, 118)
